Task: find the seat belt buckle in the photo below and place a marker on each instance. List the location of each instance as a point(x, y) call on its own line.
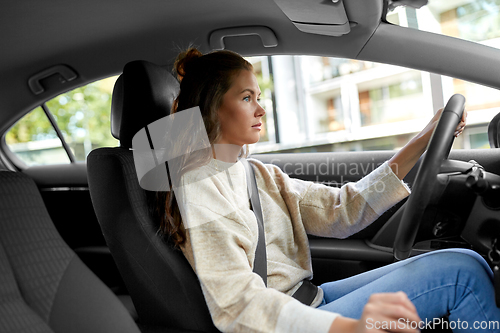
point(306, 293)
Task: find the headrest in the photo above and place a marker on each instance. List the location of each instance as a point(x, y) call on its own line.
point(143, 94)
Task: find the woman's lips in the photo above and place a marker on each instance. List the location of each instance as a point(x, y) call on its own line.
point(258, 126)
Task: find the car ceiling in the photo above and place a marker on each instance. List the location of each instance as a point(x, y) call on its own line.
point(97, 38)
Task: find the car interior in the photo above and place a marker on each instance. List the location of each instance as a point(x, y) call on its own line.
point(79, 245)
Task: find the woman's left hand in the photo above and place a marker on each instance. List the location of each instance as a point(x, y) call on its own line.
point(461, 124)
point(405, 159)
point(426, 133)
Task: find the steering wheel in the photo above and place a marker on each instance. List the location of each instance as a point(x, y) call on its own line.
point(437, 151)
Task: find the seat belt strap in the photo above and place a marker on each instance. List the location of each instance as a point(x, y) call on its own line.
point(260, 261)
point(307, 291)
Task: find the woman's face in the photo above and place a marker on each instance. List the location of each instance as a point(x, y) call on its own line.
point(240, 111)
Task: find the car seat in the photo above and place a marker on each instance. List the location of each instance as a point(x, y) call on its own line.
point(164, 288)
point(44, 286)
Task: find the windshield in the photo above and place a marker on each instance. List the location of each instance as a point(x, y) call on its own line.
point(473, 20)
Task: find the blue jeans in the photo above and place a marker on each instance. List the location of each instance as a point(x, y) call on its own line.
point(456, 283)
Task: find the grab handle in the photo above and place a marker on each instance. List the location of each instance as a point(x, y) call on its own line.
point(66, 74)
point(266, 35)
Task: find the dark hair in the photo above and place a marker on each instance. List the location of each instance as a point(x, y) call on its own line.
point(204, 79)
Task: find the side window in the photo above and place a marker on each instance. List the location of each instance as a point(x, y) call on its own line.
point(34, 140)
point(322, 104)
point(82, 117)
point(482, 104)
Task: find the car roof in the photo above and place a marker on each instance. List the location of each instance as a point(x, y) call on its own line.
point(97, 38)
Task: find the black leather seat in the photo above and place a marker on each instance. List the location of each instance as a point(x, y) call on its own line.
point(44, 286)
point(163, 286)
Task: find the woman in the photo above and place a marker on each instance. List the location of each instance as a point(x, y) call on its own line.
point(210, 220)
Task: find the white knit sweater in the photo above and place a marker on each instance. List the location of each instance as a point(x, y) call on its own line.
point(222, 237)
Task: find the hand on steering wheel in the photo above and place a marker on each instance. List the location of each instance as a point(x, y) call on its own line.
point(438, 149)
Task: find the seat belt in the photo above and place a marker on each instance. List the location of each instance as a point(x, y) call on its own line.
point(260, 262)
point(307, 291)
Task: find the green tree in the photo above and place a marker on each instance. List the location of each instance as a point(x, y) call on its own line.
point(82, 114)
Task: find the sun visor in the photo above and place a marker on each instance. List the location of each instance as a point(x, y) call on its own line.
point(323, 17)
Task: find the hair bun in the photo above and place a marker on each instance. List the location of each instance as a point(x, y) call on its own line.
point(185, 60)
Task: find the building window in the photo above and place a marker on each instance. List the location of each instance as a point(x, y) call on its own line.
point(392, 102)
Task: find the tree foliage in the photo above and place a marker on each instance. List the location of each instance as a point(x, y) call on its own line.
point(82, 115)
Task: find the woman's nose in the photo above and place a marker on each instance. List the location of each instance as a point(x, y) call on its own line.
point(260, 110)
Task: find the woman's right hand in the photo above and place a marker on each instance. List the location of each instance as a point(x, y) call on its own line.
point(384, 312)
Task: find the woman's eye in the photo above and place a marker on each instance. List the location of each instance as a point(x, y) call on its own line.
point(247, 99)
